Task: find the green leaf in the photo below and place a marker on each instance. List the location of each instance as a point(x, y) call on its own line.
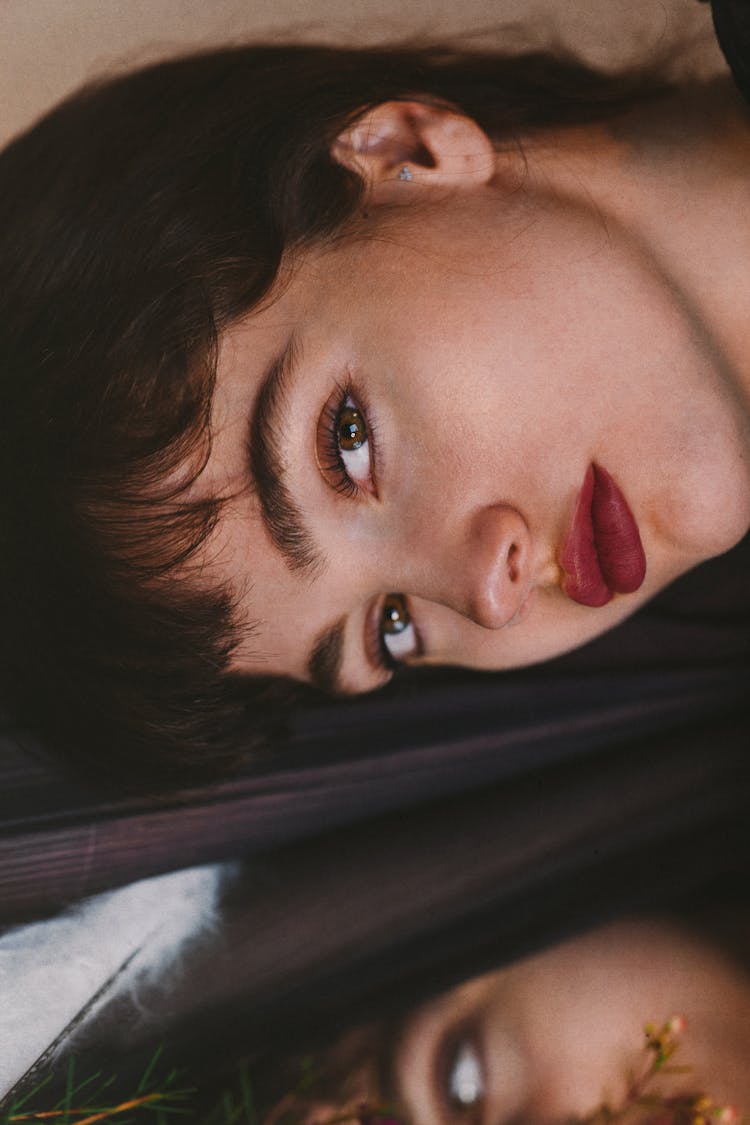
point(248, 1102)
point(143, 1084)
point(69, 1089)
point(16, 1105)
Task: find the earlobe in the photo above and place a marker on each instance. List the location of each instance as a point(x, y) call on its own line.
point(402, 145)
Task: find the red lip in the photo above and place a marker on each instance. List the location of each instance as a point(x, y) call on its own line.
point(603, 554)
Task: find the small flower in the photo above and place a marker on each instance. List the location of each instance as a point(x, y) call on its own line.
point(677, 1025)
point(727, 1115)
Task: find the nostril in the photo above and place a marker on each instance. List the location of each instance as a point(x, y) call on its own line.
point(513, 562)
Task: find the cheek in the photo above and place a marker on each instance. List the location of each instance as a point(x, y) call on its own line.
point(701, 498)
point(582, 1011)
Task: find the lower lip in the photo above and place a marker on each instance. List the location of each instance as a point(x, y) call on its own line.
point(603, 554)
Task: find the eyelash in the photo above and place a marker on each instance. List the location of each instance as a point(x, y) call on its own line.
point(331, 461)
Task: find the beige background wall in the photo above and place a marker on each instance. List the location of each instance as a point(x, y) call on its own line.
point(47, 47)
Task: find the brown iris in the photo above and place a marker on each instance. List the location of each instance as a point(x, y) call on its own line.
point(395, 614)
point(352, 429)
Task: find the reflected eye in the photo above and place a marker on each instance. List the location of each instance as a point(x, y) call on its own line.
point(344, 448)
point(465, 1076)
point(399, 636)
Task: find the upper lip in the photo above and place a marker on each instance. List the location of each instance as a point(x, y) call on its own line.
point(602, 554)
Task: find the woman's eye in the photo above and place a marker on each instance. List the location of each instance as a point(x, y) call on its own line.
point(465, 1077)
point(398, 634)
point(345, 453)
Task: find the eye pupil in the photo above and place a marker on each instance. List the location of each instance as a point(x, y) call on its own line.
point(395, 614)
point(352, 429)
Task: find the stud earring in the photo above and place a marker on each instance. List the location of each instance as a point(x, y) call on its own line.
point(405, 173)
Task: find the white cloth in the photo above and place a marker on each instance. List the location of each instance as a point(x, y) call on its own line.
point(53, 971)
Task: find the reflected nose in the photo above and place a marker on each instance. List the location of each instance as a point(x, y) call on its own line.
point(497, 562)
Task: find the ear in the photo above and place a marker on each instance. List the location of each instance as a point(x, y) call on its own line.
point(438, 146)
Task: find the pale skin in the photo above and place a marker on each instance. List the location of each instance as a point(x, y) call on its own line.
point(499, 321)
point(551, 1038)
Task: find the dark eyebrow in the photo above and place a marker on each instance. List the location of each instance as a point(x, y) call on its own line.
point(283, 519)
point(324, 665)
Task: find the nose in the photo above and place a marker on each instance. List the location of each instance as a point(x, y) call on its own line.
point(495, 568)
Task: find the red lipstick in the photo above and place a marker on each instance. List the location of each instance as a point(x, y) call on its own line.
point(603, 554)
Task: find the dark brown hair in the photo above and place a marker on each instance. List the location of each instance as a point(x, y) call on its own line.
point(137, 221)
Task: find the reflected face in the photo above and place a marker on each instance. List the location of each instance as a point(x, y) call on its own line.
point(554, 1036)
point(408, 430)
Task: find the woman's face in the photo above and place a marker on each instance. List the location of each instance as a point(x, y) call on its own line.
point(551, 1038)
point(458, 435)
